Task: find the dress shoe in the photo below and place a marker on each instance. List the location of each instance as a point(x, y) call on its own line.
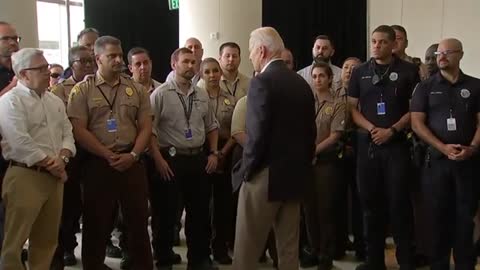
point(205, 265)
point(324, 263)
point(368, 266)
point(307, 258)
point(69, 258)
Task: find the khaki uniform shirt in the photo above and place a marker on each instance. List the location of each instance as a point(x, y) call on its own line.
point(330, 117)
point(223, 106)
point(86, 102)
point(170, 123)
point(239, 117)
point(62, 90)
point(238, 88)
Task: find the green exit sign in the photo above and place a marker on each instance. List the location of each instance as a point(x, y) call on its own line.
point(173, 4)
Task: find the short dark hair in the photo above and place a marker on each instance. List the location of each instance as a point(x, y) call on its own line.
point(387, 30)
point(86, 31)
point(206, 61)
point(352, 58)
point(54, 65)
point(230, 45)
point(74, 51)
point(325, 66)
point(4, 23)
point(400, 28)
point(324, 37)
point(102, 42)
point(134, 51)
point(178, 52)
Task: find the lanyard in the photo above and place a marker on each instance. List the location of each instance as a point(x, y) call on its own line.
point(187, 111)
point(114, 98)
point(319, 108)
point(234, 88)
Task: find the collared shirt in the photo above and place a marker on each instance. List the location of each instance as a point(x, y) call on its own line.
point(330, 117)
point(87, 102)
point(239, 117)
point(6, 76)
point(237, 88)
point(223, 106)
point(62, 90)
point(439, 99)
point(306, 73)
point(33, 127)
point(394, 89)
point(340, 96)
point(170, 123)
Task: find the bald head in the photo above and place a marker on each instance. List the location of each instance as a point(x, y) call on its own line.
point(450, 53)
point(196, 47)
point(431, 59)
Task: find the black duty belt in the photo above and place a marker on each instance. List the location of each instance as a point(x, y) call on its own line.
point(23, 165)
point(173, 151)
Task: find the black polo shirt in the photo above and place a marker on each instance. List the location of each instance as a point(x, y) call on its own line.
point(394, 90)
point(436, 97)
point(6, 76)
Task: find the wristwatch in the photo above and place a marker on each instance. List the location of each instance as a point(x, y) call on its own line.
point(134, 155)
point(215, 153)
point(65, 159)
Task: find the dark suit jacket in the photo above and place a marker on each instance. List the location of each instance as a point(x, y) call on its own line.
point(281, 132)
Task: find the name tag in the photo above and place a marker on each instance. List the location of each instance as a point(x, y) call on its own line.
point(381, 110)
point(112, 125)
point(188, 134)
point(451, 124)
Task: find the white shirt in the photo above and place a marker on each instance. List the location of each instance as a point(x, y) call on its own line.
point(33, 127)
point(306, 73)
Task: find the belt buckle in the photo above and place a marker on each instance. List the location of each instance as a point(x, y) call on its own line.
point(172, 151)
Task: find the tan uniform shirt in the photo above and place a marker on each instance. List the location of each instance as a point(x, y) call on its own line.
point(170, 123)
point(330, 117)
point(239, 117)
point(62, 90)
point(238, 88)
point(223, 106)
point(87, 102)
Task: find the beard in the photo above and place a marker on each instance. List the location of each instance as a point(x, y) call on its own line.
point(319, 58)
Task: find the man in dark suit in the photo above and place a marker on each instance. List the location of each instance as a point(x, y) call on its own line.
point(277, 158)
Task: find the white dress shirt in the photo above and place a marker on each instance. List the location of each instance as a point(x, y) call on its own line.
point(32, 126)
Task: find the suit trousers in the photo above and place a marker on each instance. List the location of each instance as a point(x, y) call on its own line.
point(256, 215)
point(103, 188)
point(451, 192)
point(33, 207)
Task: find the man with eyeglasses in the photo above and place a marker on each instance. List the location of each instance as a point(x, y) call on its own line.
point(56, 71)
point(446, 115)
point(87, 38)
point(38, 142)
point(8, 44)
point(379, 92)
point(81, 63)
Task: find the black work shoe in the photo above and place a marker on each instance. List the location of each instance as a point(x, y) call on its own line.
point(368, 266)
point(421, 260)
point(324, 263)
point(24, 256)
point(170, 259)
point(205, 265)
point(113, 251)
point(223, 258)
point(307, 258)
point(69, 258)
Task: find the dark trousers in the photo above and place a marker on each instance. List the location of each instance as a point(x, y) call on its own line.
point(322, 200)
point(103, 188)
point(354, 213)
point(191, 182)
point(384, 188)
point(451, 193)
point(222, 212)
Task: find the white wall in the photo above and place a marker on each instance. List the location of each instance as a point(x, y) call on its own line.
point(233, 20)
point(428, 21)
point(23, 15)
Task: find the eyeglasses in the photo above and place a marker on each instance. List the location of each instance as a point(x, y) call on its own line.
point(13, 38)
point(84, 61)
point(42, 68)
point(55, 75)
point(447, 52)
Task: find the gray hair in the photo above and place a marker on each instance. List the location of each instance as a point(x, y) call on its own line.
point(268, 37)
point(23, 59)
point(102, 42)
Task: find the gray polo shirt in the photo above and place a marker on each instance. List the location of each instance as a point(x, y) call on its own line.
point(170, 123)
